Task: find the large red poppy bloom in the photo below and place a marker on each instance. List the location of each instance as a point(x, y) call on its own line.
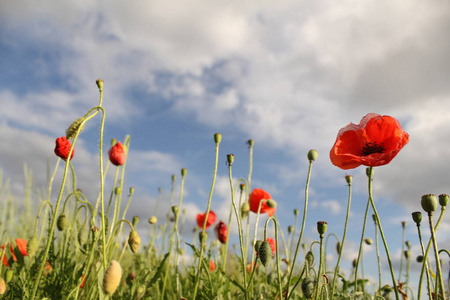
point(117, 154)
point(256, 197)
point(62, 148)
point(21, 245)
point(375, 141)
point(221, 232)
point(211, 219)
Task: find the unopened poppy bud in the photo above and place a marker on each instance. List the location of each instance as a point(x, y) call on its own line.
point(443, 200)
point(417, 217)
point(296, 211)
point(217, 138)
point(354, 262)
point(374, 218)
point(407, 254)
point(322, 227)
point(242, 187)
point(134, 240)
point(2, 286)
point(264, 253)
point(32, 246)
point(408, 244)
point(308, 287)
point(152, 220)
point(111, 279)
point(257, 244)
point(403, 224)
point(131, 191)
point(230, 159)
point(117, 190)
point(183, 172)
point(173, 178)
point(99, 83)
point(290, 228)
point(9, 274)
point(175, 210)
point(135, 221)
point(338, 247)
point(312, 155)
point(61, 223)
point(250, 143)
point(95, 232)
point(419, 258)
point(368, 241)
point(309, 258)
point(429, 203)
point(74, 128)
point(245, 207)
point(349, 179)
point(272, 203)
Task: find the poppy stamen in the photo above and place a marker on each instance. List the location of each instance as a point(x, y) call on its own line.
point(373, 147)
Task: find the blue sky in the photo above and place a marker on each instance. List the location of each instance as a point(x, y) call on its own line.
point(288, 75)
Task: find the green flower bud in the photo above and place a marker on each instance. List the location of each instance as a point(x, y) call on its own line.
point(9, 274)
point(408, 244)
point(183, 172)
point(264, 253)
point(61, 223)
point(322, 227)
point(173, 178)
point(407, 254)
point(368, 241)
point(429, 203)
point(74, 128)
point(99, 83)
point(135, 221)
point(338, 247)
point(309, 258)
point(296, 211)
point(257, 244)
point(312, 155)
point(349, 179)
point(175, 210)
point(290, 229)
point(271, 203)
point(152, 220)
point(134, 240)
point(417, 217)
point(32, 246)
point(250, 143)
point(217, 138)
point(111, 279)
point(230, 159)
point(308, 287)
point(242, 187)
point(131, 191)
point(403, 224)
point(443, 200)
point(117, 190)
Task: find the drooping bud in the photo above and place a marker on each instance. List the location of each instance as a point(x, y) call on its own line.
point(338, 247)
point(61, 223)
point(308, 287)
point(257, 244)
point(272, 203)
point(245, 209)
point(443, 200)
point(32, 246)
point(134, 240)
point(312, 155)
point(74, 128)
point(99, 83)
point(264, 253)
point(407, 254)
point(152, 220)
point(322, 227)
point(217, 138)
point(309, 258)
point(111, 279)
point(429, 203)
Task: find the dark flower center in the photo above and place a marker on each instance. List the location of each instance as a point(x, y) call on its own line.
point(373, 147)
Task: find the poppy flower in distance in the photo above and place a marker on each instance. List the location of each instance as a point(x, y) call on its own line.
point(21, 245)
point(375, 141)
point(256, 197)
point(211, 219)
point(221, 232)
point(212, 266)
point(273, 246)
point(62, 148)
point(117, 154)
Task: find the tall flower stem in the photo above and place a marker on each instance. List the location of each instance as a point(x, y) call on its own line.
point(439, 277)
point(377, 250)
point(275, 222)
point(341, 246)
point(217, 140)
point(305, 210)
point(394, 284)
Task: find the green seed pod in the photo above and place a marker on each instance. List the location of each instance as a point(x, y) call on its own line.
point(264, 253)
point(230, 159)
point(217, 138)
point(349, 179)
point(272, 203)
point(312, 155)
point(2, 286)
point(111, 279)
point(368, 241)
point(309, 258)
point(9, 274)
point(61, 223)
point(117, 190)
point(417, 217)
point(183, 172)
point(250, 143)
point(308, 287)
point(32, 246)
point(175, 210)
point(443, 200)
point(134, 240)
point(74, 128)
point(322, 227)
point(152, 220)
point(99, 83)
point(429, 203)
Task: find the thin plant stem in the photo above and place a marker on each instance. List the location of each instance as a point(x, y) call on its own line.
point(361, 244)
point(275, 222)
point(439, 277)
point(377, 250)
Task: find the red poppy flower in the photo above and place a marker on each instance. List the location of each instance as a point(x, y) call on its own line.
point(62, 148)
point(117, 154)
point(212, 266)
point(272, 245)
point(375, 141)
point(256, 197)
point(211, 219)
point(221, 232)
point(21, 245)
point(83, 282)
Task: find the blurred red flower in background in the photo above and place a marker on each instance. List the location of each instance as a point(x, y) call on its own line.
point(273, 245)
point(211, 219)
point(375, 141)
point(21, 245)
point(221, 232)
point(256, 197)
point(62, 148)
point(117, 154)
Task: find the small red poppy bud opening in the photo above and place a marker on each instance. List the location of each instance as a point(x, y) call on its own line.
point(62, 148)
point(375, 141)
point(221, 232)
point(117, 154)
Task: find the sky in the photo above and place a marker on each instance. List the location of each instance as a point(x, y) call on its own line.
point(286, 74)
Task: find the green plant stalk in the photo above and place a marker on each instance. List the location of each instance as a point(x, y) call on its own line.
point(424, 265)
point(305, 210)
point(401, 254)
point(319, 271)
point(166, 222)
point(439, 278)
point(199, 267)
point(394, 284)
point(275, 222)
point(361, 244)
point(377, 250)
point(349, 201)
point(58, 202)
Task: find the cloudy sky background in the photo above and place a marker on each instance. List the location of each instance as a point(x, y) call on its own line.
point(288, 74)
